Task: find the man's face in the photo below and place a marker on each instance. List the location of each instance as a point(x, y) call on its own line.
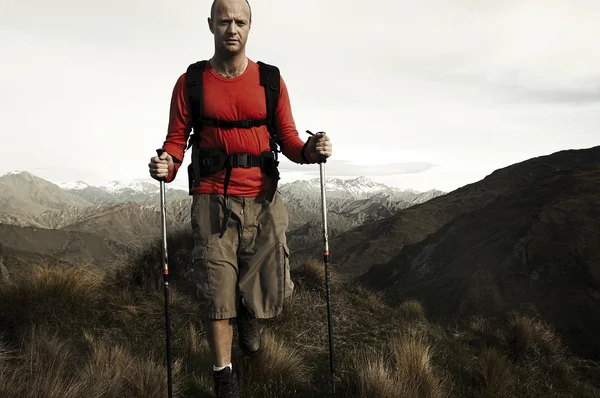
point(230, 24)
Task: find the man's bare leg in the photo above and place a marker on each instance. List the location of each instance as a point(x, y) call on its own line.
point(219, 334)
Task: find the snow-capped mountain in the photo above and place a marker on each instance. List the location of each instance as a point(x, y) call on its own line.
point(73, 186)
point(355, 189)
point(116, 192)
point(350, 202)
point(117, 187)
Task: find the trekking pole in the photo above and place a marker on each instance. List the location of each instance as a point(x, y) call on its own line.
point(165, 263)
point(334, 378)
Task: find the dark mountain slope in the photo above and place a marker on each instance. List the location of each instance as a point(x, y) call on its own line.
point(532, 245)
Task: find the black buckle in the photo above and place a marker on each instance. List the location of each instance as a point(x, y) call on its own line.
point(241, 160)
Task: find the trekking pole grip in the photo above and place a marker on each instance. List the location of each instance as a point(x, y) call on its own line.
point(322, 159)
point(159, 152)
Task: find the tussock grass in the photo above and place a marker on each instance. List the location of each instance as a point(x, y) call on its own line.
point(311, 273)
point(531, 338)
point(412, 364)
point(533, 345)
point(412, 310)
point(59, 296)
point(495, 374)
point(48, 366)
point(279, 371)
point(373, 377)
point(76, 332)
point(48, 370)
point(401, 368)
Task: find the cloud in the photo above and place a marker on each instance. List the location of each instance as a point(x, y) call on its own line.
point(517, 89)
point(345, 168)
point(573, 96)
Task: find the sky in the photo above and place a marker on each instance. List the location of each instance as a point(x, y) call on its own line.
point(434, 94)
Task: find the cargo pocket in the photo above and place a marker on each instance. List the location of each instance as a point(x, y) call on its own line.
point(201, 277)
point(276, 273)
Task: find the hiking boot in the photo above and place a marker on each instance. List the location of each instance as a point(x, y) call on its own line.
point(248, 333)
point(226, 383)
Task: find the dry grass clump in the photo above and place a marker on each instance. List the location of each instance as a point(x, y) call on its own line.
point(412, 359)
point(280, 370)
point(403, 368)
point(494, 371)
point(412, 310)
point(531, 337)
point(310, 272)
point(48, 366)
point(537, 352)
point(374, 378)
point(45, 368)
point(61, 296)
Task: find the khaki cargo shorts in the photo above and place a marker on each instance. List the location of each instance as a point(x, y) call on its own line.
point(249, 264)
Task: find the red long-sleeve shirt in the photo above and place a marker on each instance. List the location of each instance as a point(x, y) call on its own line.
point(239, 98)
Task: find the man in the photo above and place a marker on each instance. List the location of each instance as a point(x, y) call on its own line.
point(241, 264)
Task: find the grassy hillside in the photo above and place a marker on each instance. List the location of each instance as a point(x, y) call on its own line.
point(72, 332)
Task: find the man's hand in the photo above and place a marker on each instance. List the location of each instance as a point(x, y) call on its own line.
point(319, 147)
point(160, 167)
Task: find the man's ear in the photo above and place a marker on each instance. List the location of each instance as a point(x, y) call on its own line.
point(210, 25)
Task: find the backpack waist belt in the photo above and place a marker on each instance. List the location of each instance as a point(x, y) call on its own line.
point(209, 161)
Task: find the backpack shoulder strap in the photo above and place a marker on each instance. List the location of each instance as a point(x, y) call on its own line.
point(195, 96)
point(269, 78)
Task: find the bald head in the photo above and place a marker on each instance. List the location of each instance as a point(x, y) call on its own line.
point(217, 2)
point(230, 24)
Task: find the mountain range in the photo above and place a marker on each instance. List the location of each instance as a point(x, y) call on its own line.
point(116, 192)
point(129, 212)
